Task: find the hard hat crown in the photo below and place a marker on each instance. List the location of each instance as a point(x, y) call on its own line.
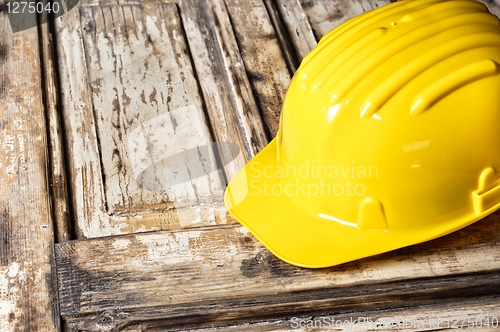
point(392, 108)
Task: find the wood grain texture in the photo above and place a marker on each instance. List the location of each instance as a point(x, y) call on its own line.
point(139, 68)
point(212, 276)
point(233, 112)
point(438, 317)
point(295, 33)
point(262, 56)
point(324, 15)
point(57, 173)
point(129, 70)
point(28, 296)
point(84, 171)
point(136, 62)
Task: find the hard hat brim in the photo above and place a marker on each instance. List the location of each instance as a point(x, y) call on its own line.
point(308, 239)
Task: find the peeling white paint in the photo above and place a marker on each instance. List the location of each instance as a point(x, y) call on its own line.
point(211, 216)
point(185, 222)
point(9, 154)
point(173, 248)
point(119, 218)
point(164, 252)
point(143, 229)
point(38, 279)
point(13, 145)
point(135, 78)
point(201, 215)
point(11, 279)
point(13, 270)
point(85, 163)
point(6, 309)
point(105, 227)
point(165, 137)
point(121, 244)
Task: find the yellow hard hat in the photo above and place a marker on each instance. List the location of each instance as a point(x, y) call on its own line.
point(389, 136)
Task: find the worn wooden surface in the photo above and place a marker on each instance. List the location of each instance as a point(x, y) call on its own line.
point(464, 315)
point(57, 167)
point(219, 275)
point(118, 67)
point(293, 30)
point(262, 57)
point(118, 84)
point(27, 272)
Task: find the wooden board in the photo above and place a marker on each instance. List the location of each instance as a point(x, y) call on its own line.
point(123, 67)
point(57, 168)
point(467, 315)
point(263, 59)
point(324, 15)
point(117, 99)
point(221, 275)
point(293, 30)
point(28, 296)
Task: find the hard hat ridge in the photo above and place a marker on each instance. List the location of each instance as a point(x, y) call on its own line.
point(336, 70)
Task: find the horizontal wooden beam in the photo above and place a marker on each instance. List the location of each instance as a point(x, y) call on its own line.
point(388, 295)
point(209, 276)
point(476, 313)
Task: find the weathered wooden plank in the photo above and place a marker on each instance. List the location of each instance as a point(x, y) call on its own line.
point(118, 86)
point(139, 69)
point(115, 3)
point(117, 67)
point(84, 171)
point(233, 112)
point(57, 174)
point(27, 271)
point(468, 315)
point(324, 15)
point(262, 56)
point(209, 276)
point(296, 37)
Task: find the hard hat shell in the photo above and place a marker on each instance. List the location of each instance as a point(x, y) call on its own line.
point(389, 136)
